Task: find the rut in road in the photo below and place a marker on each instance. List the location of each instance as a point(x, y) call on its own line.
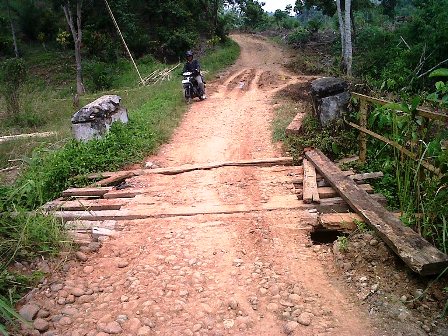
point(249, 273)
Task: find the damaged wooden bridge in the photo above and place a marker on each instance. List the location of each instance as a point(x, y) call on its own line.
point(340, 199)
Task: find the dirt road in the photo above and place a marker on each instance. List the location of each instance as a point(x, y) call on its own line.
point(224, 272)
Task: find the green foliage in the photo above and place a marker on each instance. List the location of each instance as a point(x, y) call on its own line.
point(7, 314)
point(99, 75)
point(299, 36)
point(342, 242)
point(335, 140)
point(12, 77)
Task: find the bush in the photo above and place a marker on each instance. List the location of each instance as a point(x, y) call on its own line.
point(99, 75)
point(12, 77)
point(300, 35)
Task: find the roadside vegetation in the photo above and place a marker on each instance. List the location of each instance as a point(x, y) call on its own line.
point(400, 53)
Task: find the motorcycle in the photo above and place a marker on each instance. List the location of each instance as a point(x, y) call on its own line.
point(191, 87)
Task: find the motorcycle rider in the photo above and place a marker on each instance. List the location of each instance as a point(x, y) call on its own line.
point(194, 67)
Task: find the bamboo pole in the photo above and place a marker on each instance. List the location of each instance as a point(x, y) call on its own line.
point(362, 136)
point(124, 42)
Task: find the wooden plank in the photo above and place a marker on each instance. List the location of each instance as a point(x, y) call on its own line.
point(337, 204)
point(295, 125)
point(281, 161)
point(26, 136)
point(420, 111)
point(345, 221)
point(85, 225)
point(114, 179)
point(299, 180)
point(396, 145)
point(125, 193)
point(363, 111)
point(416, 252)
point(80, 205)
point(98, 192)
point(310, 193)
point(358, 178)
point(329, 192)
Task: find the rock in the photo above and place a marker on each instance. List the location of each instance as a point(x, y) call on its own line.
point(228, 323)
point(143, 331)
point(122, 263)
point(65, 320)
point(43, 313)
point(29, 311)
point(88, 269)
point(41, 325)
point(197, 327)
point(305, 319)
point(69, 311)
point(373, 242)
point(56, 287)
point(81, 256)
point(95, 119)
point(110, 328)
point(327, 86)
point(290, 327)
point(294, 297)
point(77, 291)
point(403, 315)
point(286, 303)
point(133, 325)
point(333, 107)
point(70, 299)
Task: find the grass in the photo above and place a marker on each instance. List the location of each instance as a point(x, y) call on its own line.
point(154, 112)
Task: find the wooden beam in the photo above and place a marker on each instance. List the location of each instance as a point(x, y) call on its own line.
point(396, 145)
point(358, 178)
point(329, 192)
point(310, 193)
point(80, 205)
point(282, 161)
point(114, 179)
point(295, 125)
point(421, 112)
point(416, 252)
point(26, 136)
point(337, 204)
point(97, 192)
point(345, 221)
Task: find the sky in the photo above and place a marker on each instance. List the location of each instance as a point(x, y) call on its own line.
point(272, 5)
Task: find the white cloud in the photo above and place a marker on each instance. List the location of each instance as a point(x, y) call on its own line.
point(272, 5)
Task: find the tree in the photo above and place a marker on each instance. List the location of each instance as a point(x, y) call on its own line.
point(73, 13)
point(13, 30)
point(345, 29)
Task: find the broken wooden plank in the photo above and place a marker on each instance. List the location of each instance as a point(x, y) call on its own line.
point(339, 221)
point(416, 252)
point(282, 161)
point(329, 192)
point(358, 178)
point(295, 125)
point(114, 179)
point(26, 136)
point(310, 192)
point(85, 225)
point(299, 179)
point(80, 205)
point(337, 204)
point(130, 193)
point(88, 192)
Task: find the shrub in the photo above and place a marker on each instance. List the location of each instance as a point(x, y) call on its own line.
point(12, 77)
point(300, 35)
point(99, 75)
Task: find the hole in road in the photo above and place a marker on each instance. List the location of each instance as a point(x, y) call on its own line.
point(320, 237)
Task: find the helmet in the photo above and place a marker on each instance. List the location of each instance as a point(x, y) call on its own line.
point(189, 53)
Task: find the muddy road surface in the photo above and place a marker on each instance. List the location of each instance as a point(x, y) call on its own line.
point(243, 265)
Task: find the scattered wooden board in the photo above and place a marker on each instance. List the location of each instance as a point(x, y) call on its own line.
point(416, 252)
point(97, 192)
point(337, 204)
point(26, 136)
point(329, 192)
point(310, 193)
point(358, 178)
point(282, 161)
point(295, 125)
point(114, 179)
point(81, 205)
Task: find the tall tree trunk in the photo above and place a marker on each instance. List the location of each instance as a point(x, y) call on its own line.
point(342, 31)
point(348, 38)
point(77, 39)
point(13, 31)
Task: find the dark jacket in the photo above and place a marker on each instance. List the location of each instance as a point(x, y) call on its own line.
point(192, 66)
